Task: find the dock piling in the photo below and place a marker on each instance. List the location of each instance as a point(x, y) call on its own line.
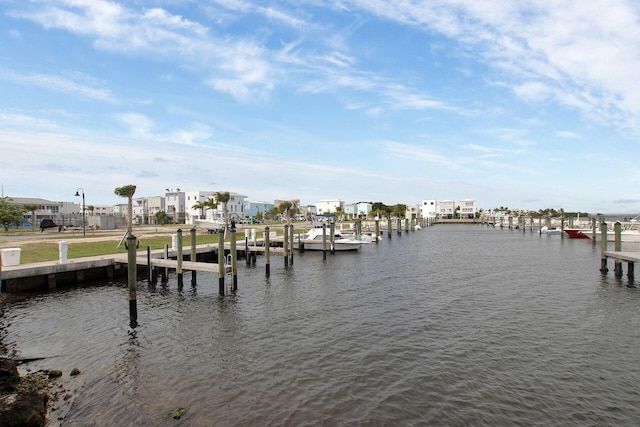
point(603, 247)
point(179, 257)
point(285, 245)
point(617, 227)
point(267, 256)
point(149, 268)
point(234, 256)
point(193, 256)
point(132, 271)
point(291, 237)
point(324, 241)
point(221, 271)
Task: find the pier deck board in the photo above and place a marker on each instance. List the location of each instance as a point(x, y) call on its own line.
point(87, 263)
point(173, 264)
point(623, 256)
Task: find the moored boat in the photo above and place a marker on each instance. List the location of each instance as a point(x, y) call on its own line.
point(312, 240)
point(578, 233)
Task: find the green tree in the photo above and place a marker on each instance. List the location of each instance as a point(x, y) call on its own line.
point(399, 210)
point(128, 192)
point(161, 216)
point(223, 197)
point(32, 207)
point(10, 214)
point(285, 209)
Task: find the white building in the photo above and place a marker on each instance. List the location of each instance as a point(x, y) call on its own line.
point(329, 206)
point(413, 211)
point(446, 209)
point(175, 204)
point(193, 197)
point(155, 205)
point(468, 208)
point(429, 209)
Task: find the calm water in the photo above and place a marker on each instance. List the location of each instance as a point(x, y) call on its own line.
point(451, 325)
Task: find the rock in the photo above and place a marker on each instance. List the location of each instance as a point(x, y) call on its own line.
point(55, 373)
point(74, 372)
point(24, 410)
point(23, 401)
point(9, 377)
point(177, 413)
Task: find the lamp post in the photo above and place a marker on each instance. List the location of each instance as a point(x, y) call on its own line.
point(84, 227)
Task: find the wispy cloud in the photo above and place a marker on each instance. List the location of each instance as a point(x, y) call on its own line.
point(76, 84)
point(542, 48)
point(422, 154)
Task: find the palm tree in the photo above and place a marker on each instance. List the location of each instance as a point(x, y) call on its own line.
point(127, 191)
point(32, 208)
point(223, 197)
point(209, 203)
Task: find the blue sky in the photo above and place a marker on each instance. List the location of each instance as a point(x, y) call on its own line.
point(522, 104)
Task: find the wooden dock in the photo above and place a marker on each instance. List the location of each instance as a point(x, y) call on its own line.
point(619, 257)
point(623, 256)
point(173, 264)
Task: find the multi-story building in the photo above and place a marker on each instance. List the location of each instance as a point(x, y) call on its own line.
point(257, 209)
point(192, 198)
point(175, 205)
point(329, 206)
point(467, 208)
point(46, 210)
point(103, 210)
point(413, 212)
point(446, 209)
point(140, 208)
point(429, 210)
point(155, 204)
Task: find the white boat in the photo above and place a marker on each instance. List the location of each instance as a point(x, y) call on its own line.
point(629, 233)
point(312, 241)
point(550, 231)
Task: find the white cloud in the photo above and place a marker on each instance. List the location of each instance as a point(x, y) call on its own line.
point(76, 85)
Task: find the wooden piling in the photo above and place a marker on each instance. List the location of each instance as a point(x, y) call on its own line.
point(332, 237)
point(193, 257)
point(285, 246)
point(179, 257)
point(267, 256)
point(132, 270)
point(594, 230)
point(149, 268)
point(603, 247)
point(165, 275)
point(291, 244)
point(617, 227)
point(246, 247)
point(234, 256)
point(221, 270)
point(377, 230)
point(324, 241)
point(389, 227)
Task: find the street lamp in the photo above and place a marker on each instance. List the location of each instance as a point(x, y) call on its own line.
point(84, 227)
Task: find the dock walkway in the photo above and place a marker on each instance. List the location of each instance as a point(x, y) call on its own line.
point(49, 274)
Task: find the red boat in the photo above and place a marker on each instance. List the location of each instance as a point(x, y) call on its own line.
point(577, 233)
